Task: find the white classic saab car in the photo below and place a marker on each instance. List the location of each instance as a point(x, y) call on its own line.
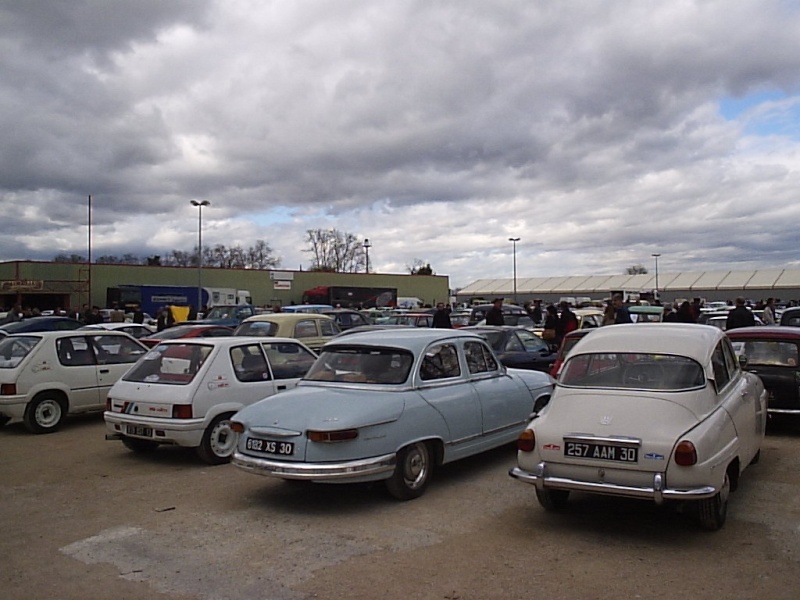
point(656, 411)
point(389, 405)
point(183, 392)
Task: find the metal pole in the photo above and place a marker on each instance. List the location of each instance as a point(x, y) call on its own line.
point(200, 206)
point(367, 246)
point(656, 257)
point(514, 251)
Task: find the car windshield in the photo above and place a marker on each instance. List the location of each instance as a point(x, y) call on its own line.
point(767, 353)
point(174, 364)
point(388, 366)
point(14, 349)
point(664, 372)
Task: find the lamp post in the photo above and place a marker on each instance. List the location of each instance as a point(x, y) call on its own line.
point(514, 241)
point(200, 206)
point(655, 256)
point(367, 246)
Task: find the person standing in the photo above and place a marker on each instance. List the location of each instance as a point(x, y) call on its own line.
point(741, 316)
point(441, 318)
point(769, 312)
point(138, 315)
point(609, 314)
point(567, 321)
point(536, 312)
point(495, 314)
point(685, 313)
point(621, 314)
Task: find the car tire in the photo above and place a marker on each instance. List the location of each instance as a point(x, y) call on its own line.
point(139, 446)
point(713, 511)
point(412, 472)
point(552, 500)
point(219, 441)
point(44, 413)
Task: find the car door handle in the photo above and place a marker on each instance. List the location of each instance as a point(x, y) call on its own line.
point(104, 370)
point(282, 387)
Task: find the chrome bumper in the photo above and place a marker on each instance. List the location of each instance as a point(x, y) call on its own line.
point(355, 469)
point(657, 492)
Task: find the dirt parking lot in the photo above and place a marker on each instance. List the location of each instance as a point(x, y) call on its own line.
point(84, 518)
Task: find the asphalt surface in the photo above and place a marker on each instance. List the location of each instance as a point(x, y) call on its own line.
point(84, 518)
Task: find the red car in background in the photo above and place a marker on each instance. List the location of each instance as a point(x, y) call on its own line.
point(569, 341)
point(186, 331)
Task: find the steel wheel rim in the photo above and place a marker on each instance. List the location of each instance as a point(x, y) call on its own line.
point(48, 413)
point(416, 466)
point(223, 439)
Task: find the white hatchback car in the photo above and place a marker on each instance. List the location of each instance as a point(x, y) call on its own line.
point(660, 411)
point(45, 376)
point(184, 391)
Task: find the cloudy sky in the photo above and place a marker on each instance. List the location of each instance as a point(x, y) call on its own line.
point(598, 133)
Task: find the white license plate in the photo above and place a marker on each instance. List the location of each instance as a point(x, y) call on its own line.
point(139, 430)
point(269, 447)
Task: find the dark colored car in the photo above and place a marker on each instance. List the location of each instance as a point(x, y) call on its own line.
point(791, 317)
point(516, 347)
point(186, 331)
point(346, 318)
point(36, 324)
point(772, 353)
point(569, 341)
point(512, 315)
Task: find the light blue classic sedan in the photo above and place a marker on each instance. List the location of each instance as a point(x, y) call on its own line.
point(389, 405)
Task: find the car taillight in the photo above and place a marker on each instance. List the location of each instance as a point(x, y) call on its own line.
point(108, 404)
point(8, 389)
point(526, 441)
point(181, 411)
point(685, 454)
point(237, 427)
point(332, 436)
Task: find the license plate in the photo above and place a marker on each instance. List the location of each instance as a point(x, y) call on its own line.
point(270, 447)
point(139, 430)
point(601, 452)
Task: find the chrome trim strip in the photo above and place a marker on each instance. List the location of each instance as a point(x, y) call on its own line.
point(314, 471)
point(784, 411)
point(624, 442)
point(656, 492)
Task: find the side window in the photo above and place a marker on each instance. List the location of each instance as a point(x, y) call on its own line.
point(730, 359)
point(305, 329)
point(217, 332)
point(718, 364)
point(74, 352)
point(116, 350)
point(440, 362)
point(479, 359)
point(328, 327)
point(249, 363)
point(514, 345)
point(288, 361)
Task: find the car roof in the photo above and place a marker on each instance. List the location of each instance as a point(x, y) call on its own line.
point(232, 340)
point(291, 316)
point(72, 333)
point(415, 339)
point(681, 339)
point(646, 310)
point(766, 332)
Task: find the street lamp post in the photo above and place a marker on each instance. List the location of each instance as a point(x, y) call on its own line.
point(655, 256)
point(514, 241)
point(200, 204)
point(367, 246)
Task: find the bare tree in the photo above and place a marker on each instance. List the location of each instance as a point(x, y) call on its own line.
point(419, 267)
point(636, 270)
point(335, 251)
point(261, 256)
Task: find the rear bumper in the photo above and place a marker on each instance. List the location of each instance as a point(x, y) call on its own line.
point(656, 492)
point(13, 406)
point(180, 432)
point(378, 467)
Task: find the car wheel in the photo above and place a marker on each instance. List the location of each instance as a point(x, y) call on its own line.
point(412, 472)
point(712, 511)
point(552, 499)
point(219, 441)
point(4, 420)
point(756, 458)
point(139, 446)
point(44, 413)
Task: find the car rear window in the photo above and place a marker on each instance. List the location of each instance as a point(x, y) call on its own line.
point(767, 353)
point(387, 366)
point(174, 364)
point(13, 350)
point(259, 328)
point(663, 372)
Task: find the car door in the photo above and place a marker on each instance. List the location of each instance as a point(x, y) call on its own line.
point(78, 371)
point(288, 363)
point(443, 386)
point(114, 354)
point(503, 402)
point(738, 398)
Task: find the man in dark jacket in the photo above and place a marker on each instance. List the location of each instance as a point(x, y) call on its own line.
point(740, 316)
point(495, 314)
point(441, 318)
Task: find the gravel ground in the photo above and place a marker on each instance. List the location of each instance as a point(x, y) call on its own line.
point(85, 518)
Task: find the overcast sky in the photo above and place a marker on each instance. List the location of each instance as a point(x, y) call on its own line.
point(598, 133)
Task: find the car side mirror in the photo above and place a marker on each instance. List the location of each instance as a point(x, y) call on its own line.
point(742, 360)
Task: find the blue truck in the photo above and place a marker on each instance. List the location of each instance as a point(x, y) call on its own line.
point(153, 297)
